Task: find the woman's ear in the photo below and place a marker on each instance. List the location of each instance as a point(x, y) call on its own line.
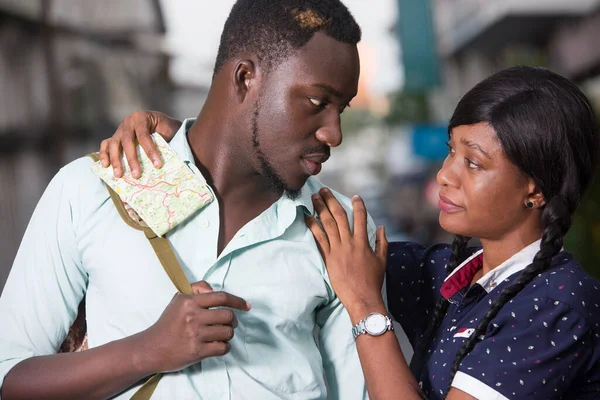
point(535, 197)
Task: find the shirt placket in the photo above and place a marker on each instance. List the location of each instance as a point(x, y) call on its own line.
point(210, 376)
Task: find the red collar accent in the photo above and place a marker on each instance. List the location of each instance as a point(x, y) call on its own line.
point(461, 277)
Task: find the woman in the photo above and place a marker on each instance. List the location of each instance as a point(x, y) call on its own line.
point(519, 317)
point(515, 318)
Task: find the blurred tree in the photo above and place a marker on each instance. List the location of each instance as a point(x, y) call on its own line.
point(408, 107)
point(355, 120)
point(583, 240)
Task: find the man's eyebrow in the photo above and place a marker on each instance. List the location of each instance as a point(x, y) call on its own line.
point(331, 90)
point(474, 146)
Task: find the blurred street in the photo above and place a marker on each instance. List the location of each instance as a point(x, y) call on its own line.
point(71, 70)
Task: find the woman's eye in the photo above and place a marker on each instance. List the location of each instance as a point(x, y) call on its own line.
point(316, 102)
point(471, 164)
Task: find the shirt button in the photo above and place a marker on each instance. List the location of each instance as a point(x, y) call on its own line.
point(204, 223)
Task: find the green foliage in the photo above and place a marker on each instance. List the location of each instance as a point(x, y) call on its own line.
point(583, 240)
point(354, 120)
point(408, 107)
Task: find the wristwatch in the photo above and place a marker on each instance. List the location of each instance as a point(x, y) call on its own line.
point(374, 324)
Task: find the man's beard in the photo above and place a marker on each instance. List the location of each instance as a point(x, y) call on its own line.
point(272, 176)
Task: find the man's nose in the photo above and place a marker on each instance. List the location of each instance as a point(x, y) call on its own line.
point(330, 132)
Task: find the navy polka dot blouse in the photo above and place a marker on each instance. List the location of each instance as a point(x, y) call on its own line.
point(544, 344)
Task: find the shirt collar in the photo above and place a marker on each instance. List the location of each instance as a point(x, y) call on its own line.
point(181, 146)
point(304, 200)
point(463, 274)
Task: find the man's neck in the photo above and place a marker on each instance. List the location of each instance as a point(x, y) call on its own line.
point(241, 192)
point(219, 152)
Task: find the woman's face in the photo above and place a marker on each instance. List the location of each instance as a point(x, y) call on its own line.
point(482, 193)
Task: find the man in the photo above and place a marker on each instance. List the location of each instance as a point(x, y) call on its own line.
point(284, 73)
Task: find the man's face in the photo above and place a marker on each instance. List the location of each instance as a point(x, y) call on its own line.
point(296, 119)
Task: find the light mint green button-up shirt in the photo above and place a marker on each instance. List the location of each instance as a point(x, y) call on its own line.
point(76, 244)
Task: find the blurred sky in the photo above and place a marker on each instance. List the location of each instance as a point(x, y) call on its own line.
point(194, 29)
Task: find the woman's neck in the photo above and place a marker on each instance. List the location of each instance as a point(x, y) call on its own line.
point(495, 252)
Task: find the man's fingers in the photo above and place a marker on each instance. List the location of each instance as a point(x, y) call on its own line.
point(103, 153)
point(223, 333)
point(114, 152)
point(215, 349)
point(337, 211)
point(220, 316)
point(360, 218)
point(327, 220)
point(320, 236)
point(381, 245)
point(129, 148)
point(222, 299)
point(142, 127)
point(201, 287)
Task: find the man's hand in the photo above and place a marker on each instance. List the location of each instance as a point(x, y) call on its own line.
point(137, 127)
point(192, 328)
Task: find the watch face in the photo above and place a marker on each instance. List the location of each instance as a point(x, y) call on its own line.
point(375, 324)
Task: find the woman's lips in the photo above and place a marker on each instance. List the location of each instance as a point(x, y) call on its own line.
point(448, 206)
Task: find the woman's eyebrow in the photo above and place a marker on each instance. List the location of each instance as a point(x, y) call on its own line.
point(474, 146)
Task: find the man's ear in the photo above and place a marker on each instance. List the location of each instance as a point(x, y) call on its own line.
point(244, 78)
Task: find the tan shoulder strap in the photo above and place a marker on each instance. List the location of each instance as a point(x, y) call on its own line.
point(168, 260)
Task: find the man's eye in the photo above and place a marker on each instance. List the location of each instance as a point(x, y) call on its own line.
point(316, 102)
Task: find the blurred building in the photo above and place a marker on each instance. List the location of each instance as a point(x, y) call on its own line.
point(448, 46)
point(70, 70)
point(476, 38)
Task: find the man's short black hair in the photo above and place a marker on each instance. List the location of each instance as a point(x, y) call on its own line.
point(273, 29)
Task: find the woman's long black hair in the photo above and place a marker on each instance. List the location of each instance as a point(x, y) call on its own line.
point(548, 129)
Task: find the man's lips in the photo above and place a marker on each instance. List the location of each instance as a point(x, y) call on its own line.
point(447, 205)
point(313, 162)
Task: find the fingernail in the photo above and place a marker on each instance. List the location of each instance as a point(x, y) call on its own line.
point(156, 163)
point(115, 171)
point(248, 305)
point(326, 190)
point(316, 197)
point(356, 197)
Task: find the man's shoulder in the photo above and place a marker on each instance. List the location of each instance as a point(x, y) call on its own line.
point(79, 185)
point(80, 167)
point(313, 186)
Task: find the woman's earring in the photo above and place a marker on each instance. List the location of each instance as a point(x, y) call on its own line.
point(529, 204)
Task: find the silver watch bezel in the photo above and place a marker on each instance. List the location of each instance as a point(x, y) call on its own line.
point(361, 327)
point(372, 317)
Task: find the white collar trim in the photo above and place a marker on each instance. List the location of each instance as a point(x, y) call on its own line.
point(514, 264)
